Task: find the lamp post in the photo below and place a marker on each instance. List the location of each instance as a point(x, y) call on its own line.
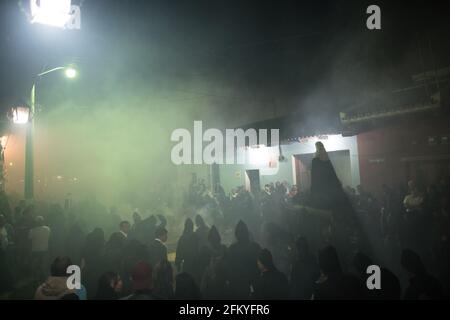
point(28, 118)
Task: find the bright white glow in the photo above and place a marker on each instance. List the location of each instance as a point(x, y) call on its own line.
point(54, 13)
point(259, 156)
point(70, 73)
point(20, 115)
point(4, 141)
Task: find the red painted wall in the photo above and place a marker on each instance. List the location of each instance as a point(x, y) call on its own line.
point(382, 153)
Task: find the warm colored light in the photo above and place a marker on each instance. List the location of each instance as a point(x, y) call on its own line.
point(70, 73)
point(20, 115)
point(54, 13)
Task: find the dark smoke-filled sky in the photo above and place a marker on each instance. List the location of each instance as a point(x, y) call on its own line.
point(149, 67)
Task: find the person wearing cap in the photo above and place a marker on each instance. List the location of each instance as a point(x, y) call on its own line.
point(141, 277)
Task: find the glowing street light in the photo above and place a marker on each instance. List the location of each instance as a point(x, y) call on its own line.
point(25, 115)
point(70, 73)
point(20, 115)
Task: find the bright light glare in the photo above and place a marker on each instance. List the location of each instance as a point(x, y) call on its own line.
point(20, 115)
point(259, 156)
point(54, 13)
point(71, 73)
point(4, 141)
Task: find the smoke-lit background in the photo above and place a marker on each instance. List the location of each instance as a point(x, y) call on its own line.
point(149, 67)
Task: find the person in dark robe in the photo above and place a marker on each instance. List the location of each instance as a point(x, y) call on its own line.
point(271, 284)
point(326, 189)
point(187, 249)
point(241, 263)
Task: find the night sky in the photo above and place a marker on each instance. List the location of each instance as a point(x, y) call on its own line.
point(278, 53)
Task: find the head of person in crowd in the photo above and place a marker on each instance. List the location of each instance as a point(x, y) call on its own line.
point(199, 222)
point(412, 187)
point(321, 153)
point(55, 287)
point(412, 263)
point(188, 226)
point(265, 261)
point(97, 237)
point(161, 234)
point(186, 288)
point(109, 286)
point(136, 217)
point(124, 227)
point(39, 221)
point(214, 238)
point(329, 261)
point(241, 232)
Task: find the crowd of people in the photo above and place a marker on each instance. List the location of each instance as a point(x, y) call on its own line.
point(273, 244)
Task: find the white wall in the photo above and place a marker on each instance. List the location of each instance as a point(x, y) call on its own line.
point(234, 175)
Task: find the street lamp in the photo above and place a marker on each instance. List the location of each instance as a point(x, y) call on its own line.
point(24, 115)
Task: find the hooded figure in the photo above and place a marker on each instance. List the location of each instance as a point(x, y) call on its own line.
point(187, 248)
point(241, 262)
point(326, 188)
point(422, 286)
point(272, 284)
point(215, 243)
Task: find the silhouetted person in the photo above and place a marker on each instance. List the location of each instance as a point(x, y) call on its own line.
point(305, 271)
point(136, 231)
point(114, 251)
point(202, 230)
point(75, 243)
point(163, 280)
point(93, 254)
point(241, 261)
point(326, 188)
point(328, 285)
point(187, 249)
point(109, 286)
point(124, 229)
point(214, 285)
point(39, 237)
point(271, 284)
point(157, 249)
point(422, 286)
point(215, 243)
point(186, 288)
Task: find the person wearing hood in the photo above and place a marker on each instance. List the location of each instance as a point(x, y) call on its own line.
point(55, 287)
point(187, 249)
point(215, 243)
point(422, 285)
point(202, 230)
point(272, 284)
point(241, 261)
